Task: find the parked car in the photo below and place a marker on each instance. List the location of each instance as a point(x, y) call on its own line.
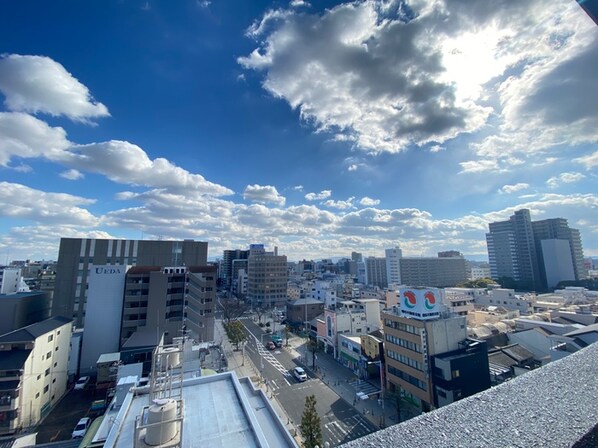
point(270, 345)
point(81, 428)
point(82, 383)
point(300, 374)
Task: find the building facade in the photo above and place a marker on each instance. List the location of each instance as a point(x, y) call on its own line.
point(267, 277)
point(375, 272)
point(393, 265)
point(227, 272)
point(33, 372)
point(438, 272)
point(77, 256)
point(534, 253)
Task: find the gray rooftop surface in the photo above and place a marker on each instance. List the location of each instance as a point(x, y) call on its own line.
point(553, 406)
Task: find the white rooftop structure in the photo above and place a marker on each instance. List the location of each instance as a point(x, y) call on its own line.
point(218, 411)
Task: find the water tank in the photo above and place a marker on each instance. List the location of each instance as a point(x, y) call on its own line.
point(170, 357)
point(163, 413)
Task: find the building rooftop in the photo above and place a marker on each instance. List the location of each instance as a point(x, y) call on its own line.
point(32, 332)
point(552, 406)
point(220, 411)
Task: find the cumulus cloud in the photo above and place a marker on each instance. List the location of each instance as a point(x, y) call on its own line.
point(72, 175)
point(340, 205)
point(21, 202)
point(263, 194)
point(38, 84)
point(369, 202)
point(564, 178)
point(24, 136)
point(126, 163)
point(508, 189)
point(318, 196)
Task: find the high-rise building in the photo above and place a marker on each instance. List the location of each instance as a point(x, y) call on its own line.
point(526, 251)
point(375, 272)
point(356, 256)
point(227, 275)
point(267, 277)
point(393, 265)
point(440, 272)
point(77, 256)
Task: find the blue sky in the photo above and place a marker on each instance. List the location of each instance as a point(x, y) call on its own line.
point(321, 128)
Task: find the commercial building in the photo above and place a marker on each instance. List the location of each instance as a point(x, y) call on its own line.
point(393, 265)
point(415, 332)
point(534, 254)
point(300, 311)
point(227, 272)
point(438, 272)
point(267, 277)
point(33, 372)
point(375, 272)
point(78, 256)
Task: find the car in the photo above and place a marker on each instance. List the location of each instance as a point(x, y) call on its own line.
point(82, 383)
point(300, 374)
point(81, 428)
point(270, 345)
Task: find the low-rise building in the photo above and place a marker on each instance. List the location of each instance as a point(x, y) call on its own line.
point(33, 372)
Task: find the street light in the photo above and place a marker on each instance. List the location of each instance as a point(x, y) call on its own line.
point(379, 362)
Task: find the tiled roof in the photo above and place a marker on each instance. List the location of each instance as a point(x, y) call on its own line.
point(32, 332)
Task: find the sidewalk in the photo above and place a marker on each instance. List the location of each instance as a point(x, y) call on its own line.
point(343, 382)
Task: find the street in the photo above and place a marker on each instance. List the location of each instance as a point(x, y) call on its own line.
point(341, 423)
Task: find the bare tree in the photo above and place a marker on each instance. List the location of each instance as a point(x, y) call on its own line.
point(232, 309)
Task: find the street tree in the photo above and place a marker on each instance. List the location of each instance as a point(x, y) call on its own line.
point(312, 346)
point(311, 429)
point(232, 308)
point(235, 332)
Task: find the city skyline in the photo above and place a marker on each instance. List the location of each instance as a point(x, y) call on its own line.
point(321, 128)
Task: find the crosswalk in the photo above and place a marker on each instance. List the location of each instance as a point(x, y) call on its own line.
point(365, 387)
point(340, 431)
point(269, 357)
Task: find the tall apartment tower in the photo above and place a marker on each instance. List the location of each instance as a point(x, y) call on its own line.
point(375, 272)
point(536, 254)
point(226, 267)
point(267, 277)
point(512, 251)
point(393, 265)
point(77, 256)
point(570, 239)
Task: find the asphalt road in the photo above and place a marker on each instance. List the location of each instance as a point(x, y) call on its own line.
point(341, 423)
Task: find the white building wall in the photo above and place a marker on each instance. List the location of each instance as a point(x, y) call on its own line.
point(393, 265)
point(558, 263)
point(104, 303)
point(9, 280)
point(45, 375)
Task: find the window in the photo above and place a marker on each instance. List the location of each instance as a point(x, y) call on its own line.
point(46, 388)
point(39, 376)
point(47, 372)
point(54, 380)
point(50, 338)
point(456, 374)
point(37, 395)
point(48, 355)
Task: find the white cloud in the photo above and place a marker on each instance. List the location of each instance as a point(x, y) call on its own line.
point(318, 196)
point(263, 194)
point(437, 148)
point(126, 163)
point(352, 167)
point(21, 202)
point(590, 161)
point(298, 188)
point(24, 136)
point(72, 175)
point(340, 205)
point(369, 202)
point(39, 84)
point(479, 166)
point(508, 189)
point(299, 3)
point(564, 178)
